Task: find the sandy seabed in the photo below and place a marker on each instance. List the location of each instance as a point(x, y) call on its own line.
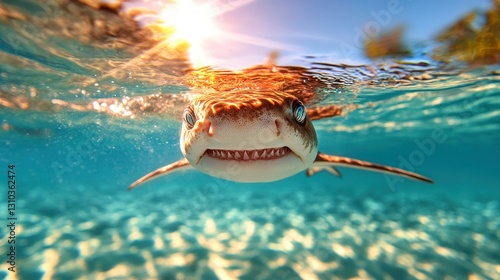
point(286, 233)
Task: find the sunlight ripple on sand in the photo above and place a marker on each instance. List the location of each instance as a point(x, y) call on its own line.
point(343, 250)
point(51, 259)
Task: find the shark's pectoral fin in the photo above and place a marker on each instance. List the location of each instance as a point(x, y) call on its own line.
point(323, 160)
point(180, 165)
point(329, 168)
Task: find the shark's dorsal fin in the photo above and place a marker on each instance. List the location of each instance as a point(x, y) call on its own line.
point(327, 161)
point(180, 165)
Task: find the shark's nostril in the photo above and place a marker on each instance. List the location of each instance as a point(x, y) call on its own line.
point(206, 126)
point(211, 130)
point(278, 127)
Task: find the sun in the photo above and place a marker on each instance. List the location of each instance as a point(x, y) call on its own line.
point(192, 22)
point(194, 28)
point(189, 23)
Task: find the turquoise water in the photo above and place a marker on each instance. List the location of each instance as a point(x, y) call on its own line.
point(75, 219)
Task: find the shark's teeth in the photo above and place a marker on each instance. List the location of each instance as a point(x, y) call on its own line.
point(255, 155)
point(271, 154)
point(246, 155)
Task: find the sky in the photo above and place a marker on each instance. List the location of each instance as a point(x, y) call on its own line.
point(331, 29)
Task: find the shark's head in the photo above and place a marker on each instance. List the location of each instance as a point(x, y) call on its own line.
point(256, 137)
point(248, 136)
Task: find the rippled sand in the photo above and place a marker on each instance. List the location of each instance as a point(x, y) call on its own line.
point(255, 233)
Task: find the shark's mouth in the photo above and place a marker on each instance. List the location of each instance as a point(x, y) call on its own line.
point(247, 155)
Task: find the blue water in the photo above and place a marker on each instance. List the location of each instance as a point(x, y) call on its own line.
point(76, 219)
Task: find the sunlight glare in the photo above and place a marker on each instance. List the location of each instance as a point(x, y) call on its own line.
point(191, 23)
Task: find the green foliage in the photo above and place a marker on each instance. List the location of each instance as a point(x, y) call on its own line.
point(476, 45)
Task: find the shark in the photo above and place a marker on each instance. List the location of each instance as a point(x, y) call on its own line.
point(257, 136)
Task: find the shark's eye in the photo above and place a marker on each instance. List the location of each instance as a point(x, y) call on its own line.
point(189, 117)
point(299, 111)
